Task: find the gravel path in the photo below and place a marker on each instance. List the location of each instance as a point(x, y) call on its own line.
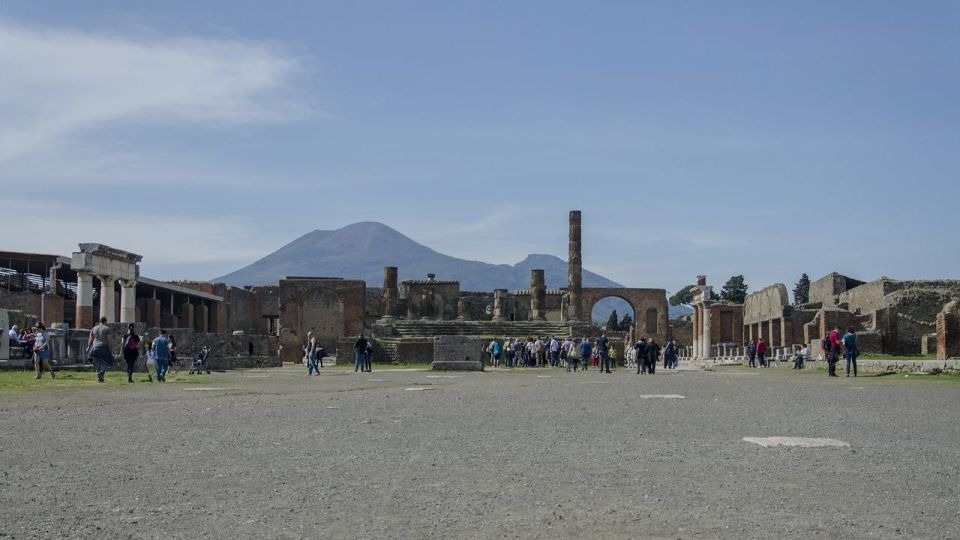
point(541, 454)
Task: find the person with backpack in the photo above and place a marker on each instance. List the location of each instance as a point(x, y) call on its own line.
point(762, 352)
point(642, 358)
point(131, 351)
point(751, 354)
point(359, 352)
point(41, 351)
point(99, 348)
point(850, 351)
point(603, 351)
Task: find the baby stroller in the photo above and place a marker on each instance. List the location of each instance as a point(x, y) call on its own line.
point(200, 362)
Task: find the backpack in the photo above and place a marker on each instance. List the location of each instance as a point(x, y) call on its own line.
point(133, 342)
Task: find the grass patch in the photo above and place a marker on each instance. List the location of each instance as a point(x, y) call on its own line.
point(18, 381)
point(908, 357)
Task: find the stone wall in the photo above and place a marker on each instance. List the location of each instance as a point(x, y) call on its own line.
point(948, 332)
point(826, 288)
point(457, 353)
point(329, 307)
point(681, 330)
point(373, 306)
point(765, 304)
point(29, 303)
point(441, 301)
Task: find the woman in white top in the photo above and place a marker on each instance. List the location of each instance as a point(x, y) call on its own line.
point(41, 351)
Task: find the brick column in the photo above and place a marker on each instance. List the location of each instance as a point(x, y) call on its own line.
point(84, 314)
point(538, 294)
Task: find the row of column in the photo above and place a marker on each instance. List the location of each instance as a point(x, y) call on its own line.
point(775, 331)
point(128, 299)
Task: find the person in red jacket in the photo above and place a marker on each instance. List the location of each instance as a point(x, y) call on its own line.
point(833, 355)
point(762, 352)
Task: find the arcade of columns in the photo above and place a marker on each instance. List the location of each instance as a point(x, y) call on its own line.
point(110, 266)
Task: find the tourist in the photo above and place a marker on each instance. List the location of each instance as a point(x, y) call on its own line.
point(41, 351)
point(162, 355)
point(311, 355)
point(603, 349)
point(14, 335)
point(653, 356)
point(761, 351)
point(613, 356)
point(131, 350)
point(150, 355)
point(568, 353)
point(99, 348)
point(554, 352)
point(752, 354)
point(359, 351)
point(642, 358)
point(669, 355)
point(368, 357)
point(489, 350)
point(595, 355)
point(508, 352)
point(850, 351)
point(585, 351)
point(799, 357)
point(27, 339)
point(173, 358)
point(497, 352)
point(833, 354)
point(538, 351)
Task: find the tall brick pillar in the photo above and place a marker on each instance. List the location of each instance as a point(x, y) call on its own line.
point(84, 315)
point(390, 292)
point(948, 332)
point(575, 268)
point(538, 295)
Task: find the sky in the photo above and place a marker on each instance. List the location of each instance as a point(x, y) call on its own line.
point(759, 138)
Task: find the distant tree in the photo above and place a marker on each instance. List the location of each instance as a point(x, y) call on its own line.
point(683, 296)
point(734, 290)
point(801, 293)
point(626, 322)
point(613, 323)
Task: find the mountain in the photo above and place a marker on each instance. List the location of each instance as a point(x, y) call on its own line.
point(361, 250)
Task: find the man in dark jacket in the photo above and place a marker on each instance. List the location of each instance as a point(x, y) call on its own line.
point(653, 355)
point(359, 354)
point(752, 354)
point(642, 359)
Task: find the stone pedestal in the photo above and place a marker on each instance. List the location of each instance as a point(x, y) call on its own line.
point(84, 314)
point(457, 353)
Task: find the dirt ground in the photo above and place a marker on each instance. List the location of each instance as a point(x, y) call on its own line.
point(536, 453)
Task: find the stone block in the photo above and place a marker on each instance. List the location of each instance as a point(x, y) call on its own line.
point(457, 353)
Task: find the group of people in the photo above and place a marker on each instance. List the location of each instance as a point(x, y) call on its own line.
point(646, 354)
point(576, 354)
point(834, 344)
point(161, 352)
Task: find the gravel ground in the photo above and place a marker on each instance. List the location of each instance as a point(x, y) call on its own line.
point(539, 453)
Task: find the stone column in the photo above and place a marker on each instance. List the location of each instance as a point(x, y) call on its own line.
point(128, 301)
point(84, 314)
point(461, 309)
point(390, 292)
point(575, 268)
point(538, 294)
point(697, 333)
point(706, 332)
point(499, 295)
point(108, 307)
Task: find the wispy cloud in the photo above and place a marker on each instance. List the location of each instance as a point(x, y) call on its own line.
point(59, 83)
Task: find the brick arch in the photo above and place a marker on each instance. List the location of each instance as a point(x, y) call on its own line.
point(640, 300)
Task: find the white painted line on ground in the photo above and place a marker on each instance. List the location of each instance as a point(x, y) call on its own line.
point(857, 388)
point(544, 376)
point(416, 388)
point(594, 382)
point(802, 442)
point(376, 380)
point(333, 407)
point(661, 396)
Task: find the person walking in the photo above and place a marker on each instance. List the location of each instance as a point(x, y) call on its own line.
point(850, 351)
point(368, 357)
point(761, 351)
point(833, 356)
point(131, 350)
point(603, 349)
point(642, 358)
point(99, 348)
point(162, 356)
point(497, 352)
point(800, 357)
point(653, 355)
point(41, 351)
point(151, 363)
point(312, 355)
point(173, 362)
point(359, 351)
point(585, 351)
point(752, 354)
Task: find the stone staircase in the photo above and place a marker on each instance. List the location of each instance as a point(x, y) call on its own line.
point(486, 329)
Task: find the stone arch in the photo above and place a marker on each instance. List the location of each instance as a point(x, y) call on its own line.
point(642, 301)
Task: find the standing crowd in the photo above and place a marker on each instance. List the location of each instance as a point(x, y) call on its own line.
point(578, 354)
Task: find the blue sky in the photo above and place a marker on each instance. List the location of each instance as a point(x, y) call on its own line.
point(761, 138)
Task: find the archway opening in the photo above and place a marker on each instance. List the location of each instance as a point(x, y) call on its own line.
point(610, 307)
